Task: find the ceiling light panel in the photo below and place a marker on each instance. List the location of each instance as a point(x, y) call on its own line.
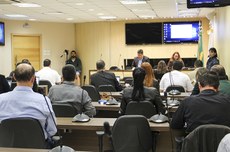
point(30, 5)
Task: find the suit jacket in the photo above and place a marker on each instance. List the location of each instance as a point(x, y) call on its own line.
point(4, 86)
point(135, 61)
point(105, 78)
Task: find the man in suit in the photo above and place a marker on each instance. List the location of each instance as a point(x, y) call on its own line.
point(140, 59)
point(104, 78)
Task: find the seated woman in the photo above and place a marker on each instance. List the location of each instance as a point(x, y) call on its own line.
point(161, 70)
point(140, 93)
point(175, 57)
point(4, 86)
point(150, 80)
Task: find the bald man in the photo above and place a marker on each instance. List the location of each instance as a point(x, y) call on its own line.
point(24, 102)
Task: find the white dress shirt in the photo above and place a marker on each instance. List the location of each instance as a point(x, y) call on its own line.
point(176, 78)
point(47, 73)
point(224, 145)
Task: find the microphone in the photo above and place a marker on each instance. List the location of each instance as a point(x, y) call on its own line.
point(119, 60)
point(101, 56)
point(122, 67)
point(108, 132)
point(81, 117)
point(61, 147)
point(84, 79)
point(66, 52)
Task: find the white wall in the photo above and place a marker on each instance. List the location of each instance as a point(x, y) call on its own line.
point(222, 36)
point(56, 37)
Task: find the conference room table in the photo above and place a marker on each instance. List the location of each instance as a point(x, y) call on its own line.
point(82, 136)
point(105, 107)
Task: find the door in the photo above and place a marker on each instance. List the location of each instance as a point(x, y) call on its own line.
point(26, 47)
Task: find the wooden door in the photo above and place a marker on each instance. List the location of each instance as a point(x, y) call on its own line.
point(26, 47)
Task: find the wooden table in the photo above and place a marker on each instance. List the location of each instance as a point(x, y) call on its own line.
point(97, 124)
point(113, 94)
point(105, 107)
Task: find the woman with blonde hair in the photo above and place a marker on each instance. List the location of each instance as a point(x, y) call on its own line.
point(175, 57)
point(150, 80)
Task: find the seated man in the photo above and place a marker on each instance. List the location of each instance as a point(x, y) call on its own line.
point(23, 102)
point(137, 61)
point(223, 78)
point(104, 78)
point(208, 107)
point(175, 77)
point(46, 73)
point(69, 92)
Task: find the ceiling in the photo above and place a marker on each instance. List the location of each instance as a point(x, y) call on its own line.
point(76, 11)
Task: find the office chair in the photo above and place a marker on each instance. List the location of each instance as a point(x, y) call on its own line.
point(115, 68)
point(124, 78)
point(175, 87)
point(64, 110)
point(144, 108)
point(129, 81)
point(205, 138)
point(92, 91)
point(22, 133)
point(45, 82)
point(130, 133)
point(106, 88)
point(13, 85)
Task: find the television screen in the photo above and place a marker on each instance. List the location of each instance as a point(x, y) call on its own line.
point(207, 3)
point(181, 32)
point(143, 33)
point(2, 33)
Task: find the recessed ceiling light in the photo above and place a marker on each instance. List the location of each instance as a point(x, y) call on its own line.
point(26, 5)
point(108, 17)
point(133, 2)
point(32, 19)
point(79, 4)
point(16, 15)
point(99, 14)
point(69, 19)
point(53, 13)
point(90, 9)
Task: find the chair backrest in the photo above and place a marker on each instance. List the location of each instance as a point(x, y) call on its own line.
point(45, 82)
point(92, 91)
point(175, 87)
point(22, 133)
point(205, 138)
point(13, 85)
point(64, 110)
point(114, 68)
point(129, 81)
point(131, 133)
point(106, 88)
point(144, 108)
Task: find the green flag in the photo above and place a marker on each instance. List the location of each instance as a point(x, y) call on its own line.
point(200, 52)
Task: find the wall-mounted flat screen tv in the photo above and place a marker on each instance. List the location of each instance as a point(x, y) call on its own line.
point(207, 3)
point(143, 33)
point(181, 32)
point(2, 33)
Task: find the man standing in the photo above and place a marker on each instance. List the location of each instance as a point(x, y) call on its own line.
point(208, 107)
point(176, 77)
point(75, 61)
point(140, 59)
point(23, 102)
point(68, 92)
point(46, 73)
point(104, 78)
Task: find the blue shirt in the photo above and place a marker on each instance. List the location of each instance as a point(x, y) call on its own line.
point(23, 102)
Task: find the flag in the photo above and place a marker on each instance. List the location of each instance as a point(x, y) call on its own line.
point(200, 52)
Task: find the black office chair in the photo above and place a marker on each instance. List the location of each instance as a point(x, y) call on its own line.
point(175, 87)
point(45, 82)
point(92, 91)
point(205, 138)
point(64, 110)
point(144, 108)
point(129, 81)
point(124, 78)
point(115, 68)
point(131, 133)
point(106, 88)
point(22, 133)
point(13, 85)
